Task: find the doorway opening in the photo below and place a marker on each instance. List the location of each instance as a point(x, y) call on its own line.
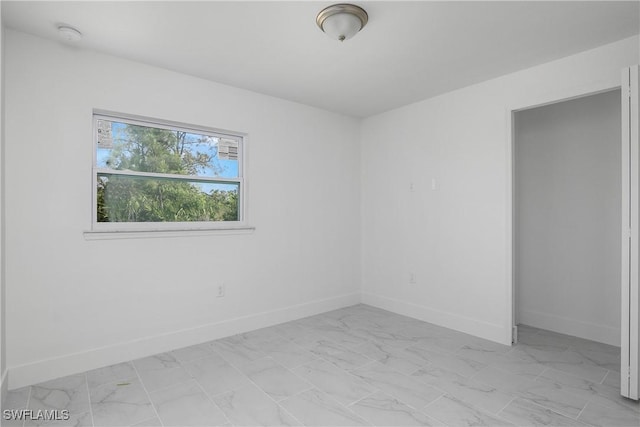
point(568, 234)
point(566, 217)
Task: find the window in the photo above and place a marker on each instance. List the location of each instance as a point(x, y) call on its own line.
point(154, 175)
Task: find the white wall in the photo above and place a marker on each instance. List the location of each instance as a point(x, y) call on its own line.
point(567, 222)
point(456, 238)
point(3, 347)
point(78, 304)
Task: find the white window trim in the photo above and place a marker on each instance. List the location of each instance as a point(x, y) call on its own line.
point(148, 234)
point(128, 230)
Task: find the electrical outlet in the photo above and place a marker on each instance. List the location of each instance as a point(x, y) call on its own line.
point(221, 291)
point(412, 278)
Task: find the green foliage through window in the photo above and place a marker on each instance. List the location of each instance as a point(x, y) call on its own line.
point(148, 174)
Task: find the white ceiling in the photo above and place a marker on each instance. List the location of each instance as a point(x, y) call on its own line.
point(409, 51)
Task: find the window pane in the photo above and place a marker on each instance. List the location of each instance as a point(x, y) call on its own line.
point(124, 146)
point(144, 199)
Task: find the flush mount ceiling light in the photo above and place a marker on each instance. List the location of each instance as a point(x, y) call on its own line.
point(342, 21)
point(69, 34)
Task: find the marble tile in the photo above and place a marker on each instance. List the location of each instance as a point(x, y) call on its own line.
point(601, 394)
point(421, 370)
point(315, 320)
point(440, 341)
point(391, 325)
point(350, 318)
point(524, 336)
point(339, 335)
point(12, 422)
point(109, 374)
point(160, 361)
point(583, 344)
point(605, 359)
point(478, 394)
point(436, 376)
point(587, 346)
point(385, 337)
point(403, 387)
point(541, 393)
point(507, 381)
point(259, 338)
point(399, 359)
point(250, 406)
point(309, 339)
point(482, 351)
point(288, 353)
point(526, 331)
point(191, 353)
point(597, 415)
point(474, 342)
point(612, 379)
point(456, 413)
point(575, 363)
point(70, 393)
point(610, 396)
point(186, 405)
point(237, 350)
point(298, 334)
point(559, 336)
point(380, 409)
point(523, 412)
point(538, 355)
point(418, 330)
point(567, 361)
point(570, 383)
point(548, 342)
point(315, 408)
point(339, 355)
point(83, 419)
point(216, 375)
point(452, 362)
point(337, 383)
point(277, 381)
point(160, 371)
point(290, 330)
point(17, 399)
point(151, 422)
point(325, 347)
point(120, 404)
point(397, 323)
point(275, 343)
point(515, 365)
point(528, 328)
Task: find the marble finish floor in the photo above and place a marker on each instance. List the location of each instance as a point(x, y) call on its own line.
point(354, 366)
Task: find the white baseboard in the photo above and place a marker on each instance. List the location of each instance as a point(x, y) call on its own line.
point(454, 321)
point(591, 331)
point(45, 370)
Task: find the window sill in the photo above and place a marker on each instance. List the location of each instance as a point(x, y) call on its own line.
point(153, 234)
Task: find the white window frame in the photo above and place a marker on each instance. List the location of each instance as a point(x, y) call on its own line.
point(128, 227)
